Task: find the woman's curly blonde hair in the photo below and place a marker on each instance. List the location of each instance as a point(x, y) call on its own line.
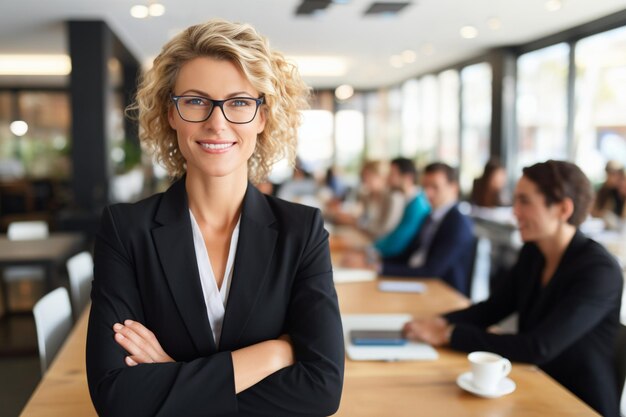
point(276, 79)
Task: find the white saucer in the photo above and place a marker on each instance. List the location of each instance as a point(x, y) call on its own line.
point(506, 386)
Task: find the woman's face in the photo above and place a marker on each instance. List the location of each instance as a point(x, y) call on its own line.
point(536, 221)
point(215, 147)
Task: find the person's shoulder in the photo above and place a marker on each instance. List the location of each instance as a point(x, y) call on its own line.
point(593, 251)
point(289, 212)
point(135, 213)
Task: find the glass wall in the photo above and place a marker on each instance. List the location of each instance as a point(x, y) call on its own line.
point(600, 123)
point(476, 120)
point(448, 147)
point(542, 105)
point(429, 103)
point(350, 134)
point(411, 118)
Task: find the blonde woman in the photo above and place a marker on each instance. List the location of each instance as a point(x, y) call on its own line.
point(212, 298)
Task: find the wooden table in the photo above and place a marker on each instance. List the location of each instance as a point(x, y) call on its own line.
point(428, 388)
point(48, 253)
point(63, 390)
point(373, 389)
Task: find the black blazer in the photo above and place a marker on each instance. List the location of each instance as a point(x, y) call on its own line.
point(567, 328)
point(450, 255)
point(146, 270)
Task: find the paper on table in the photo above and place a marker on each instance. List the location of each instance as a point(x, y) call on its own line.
point(409, 351)
point(402, 286)
point(341, 275)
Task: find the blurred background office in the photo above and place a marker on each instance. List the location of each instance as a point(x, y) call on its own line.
point(482, 85)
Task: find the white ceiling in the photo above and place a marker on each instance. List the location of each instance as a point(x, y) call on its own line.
point(367, 43)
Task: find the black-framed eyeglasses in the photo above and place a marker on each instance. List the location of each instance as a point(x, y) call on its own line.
point(196, 109)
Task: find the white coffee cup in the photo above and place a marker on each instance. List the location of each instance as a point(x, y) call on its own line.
point(488, 369)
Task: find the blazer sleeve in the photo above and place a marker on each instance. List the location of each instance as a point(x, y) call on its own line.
point(449, 243)
point(595, 290)
point(311, 387)
point(500, 304)
point(204, 386)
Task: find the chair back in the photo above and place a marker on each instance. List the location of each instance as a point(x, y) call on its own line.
point(28, 230)
point(80, 272)
point(53, 321)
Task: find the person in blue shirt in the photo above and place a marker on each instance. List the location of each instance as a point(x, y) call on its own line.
point(403, 177)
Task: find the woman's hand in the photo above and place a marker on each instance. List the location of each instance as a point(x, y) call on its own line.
point(140, 342)
point(433, 330)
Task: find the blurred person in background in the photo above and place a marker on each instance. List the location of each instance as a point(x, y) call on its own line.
point(379, 209)
point(609, 202)
point(403, 178)
point(489, 190)
point(566, 288)
point(444, 246)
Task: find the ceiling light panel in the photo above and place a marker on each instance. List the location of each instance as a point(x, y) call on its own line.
point(386, 9)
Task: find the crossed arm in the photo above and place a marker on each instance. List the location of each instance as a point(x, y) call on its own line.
point(250, 364)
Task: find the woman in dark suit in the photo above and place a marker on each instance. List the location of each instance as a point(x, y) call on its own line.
point(212, 298)
point(566, 288)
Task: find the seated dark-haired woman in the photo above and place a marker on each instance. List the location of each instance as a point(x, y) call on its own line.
point(566, 288)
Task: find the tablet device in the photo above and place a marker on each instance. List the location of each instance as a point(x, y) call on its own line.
point(377, 338)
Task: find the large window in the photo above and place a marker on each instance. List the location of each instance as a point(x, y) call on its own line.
point(411, 119)
point(448, 149)
point(476, 119)
point(376, 146)
point(429, 105)
point(541, 105)
point(600, 123)
point(350, 134)
point(315, 140)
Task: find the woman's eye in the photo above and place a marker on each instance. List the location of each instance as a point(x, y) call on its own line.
point(240, 103)
point(195, 101)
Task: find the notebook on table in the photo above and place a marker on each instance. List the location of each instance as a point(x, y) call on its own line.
point(392, 352)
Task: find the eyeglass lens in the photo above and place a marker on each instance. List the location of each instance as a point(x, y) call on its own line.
point(198, 109)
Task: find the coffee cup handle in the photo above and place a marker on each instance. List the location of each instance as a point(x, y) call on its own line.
point(506, 367)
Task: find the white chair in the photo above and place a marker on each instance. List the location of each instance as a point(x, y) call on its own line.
point(53, 321)
point(80, 272)
point(24, 230)
point(28, 230)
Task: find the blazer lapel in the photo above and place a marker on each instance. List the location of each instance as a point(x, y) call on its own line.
point(174, 244)
point(255, 250)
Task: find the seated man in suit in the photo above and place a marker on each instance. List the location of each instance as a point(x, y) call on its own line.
point(444, 246)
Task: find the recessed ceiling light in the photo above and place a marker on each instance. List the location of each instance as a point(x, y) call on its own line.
point(409, 56)
point(494, 23)
point(156, 9)
point(427, 49)
point(35, 65)
point(139, 11)
point(554, 5)
point(344, 92)
point(396, 61)
point(469, 32)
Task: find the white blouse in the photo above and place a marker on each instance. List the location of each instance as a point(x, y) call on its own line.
point(214, 298)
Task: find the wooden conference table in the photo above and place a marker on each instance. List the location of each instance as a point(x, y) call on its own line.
point(49, 253)
point(394, 389)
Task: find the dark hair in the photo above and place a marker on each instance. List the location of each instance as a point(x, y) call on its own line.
point(451, 174)
point(492, 165)
point(558, 180)
point(406, 167)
